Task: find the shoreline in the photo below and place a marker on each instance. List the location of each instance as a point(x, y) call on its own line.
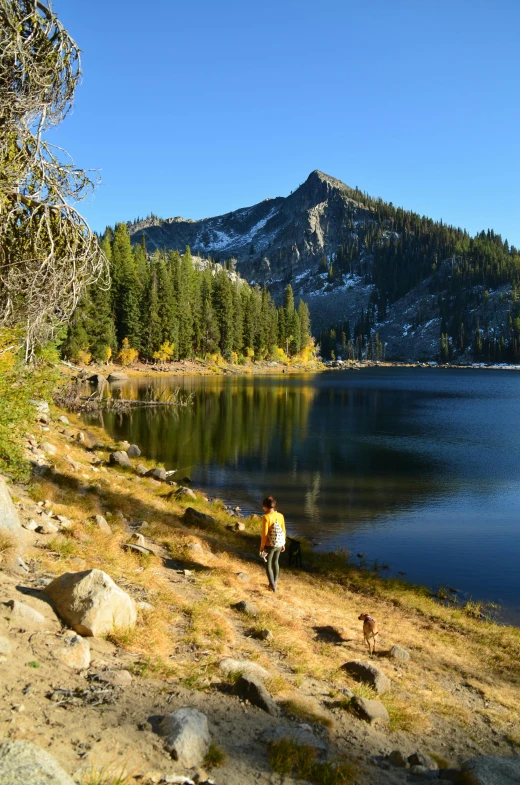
point(203, 603)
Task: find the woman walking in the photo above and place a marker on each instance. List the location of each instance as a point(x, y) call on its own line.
point(273, 540)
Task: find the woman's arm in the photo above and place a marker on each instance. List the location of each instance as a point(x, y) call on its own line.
point(265, 527)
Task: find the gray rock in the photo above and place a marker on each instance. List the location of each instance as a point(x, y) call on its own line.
point(371, 711)
point(397, 758)
point(244, 577)
point(91, 603)
point(117, 376)
point(186, 735)
point(120, 458)
point(48, 528)
point(23, 763)
point(98, 379)
point(42, 407)
point(398, 653)
point(141, 470)
point(102, 524)
point(369, 674)
point(74, 651)
point(300, 736)
point(193, 517)
point(10, 526)
point(63, 420)
point(251, 688)
point(24, 617)
point(157, 474)
point(132, 546)
point(186, 493)
point(491, 770)
point(247, 607)
point(239, 526)
point(44, 419)
point(133, 451)
point(30, 525)
point(229, 666)
point(265, 635)
point(422, 759)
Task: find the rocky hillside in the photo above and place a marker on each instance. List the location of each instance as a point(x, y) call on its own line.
point(365, 267)
point(139, 644)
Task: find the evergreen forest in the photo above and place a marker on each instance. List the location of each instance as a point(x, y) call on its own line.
point(396, 250)
point(168, 307)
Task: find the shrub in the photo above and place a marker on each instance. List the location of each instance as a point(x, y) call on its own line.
point(127, 355)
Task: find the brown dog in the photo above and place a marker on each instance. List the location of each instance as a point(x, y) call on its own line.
point(369, 630)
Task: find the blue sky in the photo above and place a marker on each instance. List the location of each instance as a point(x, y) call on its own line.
point(198, 108)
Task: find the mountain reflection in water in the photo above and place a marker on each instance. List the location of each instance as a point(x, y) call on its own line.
point(414, 467)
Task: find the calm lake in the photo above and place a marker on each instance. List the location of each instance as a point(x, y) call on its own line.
point(415, 468)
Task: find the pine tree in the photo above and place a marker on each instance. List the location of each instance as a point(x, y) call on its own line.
point(126, 289)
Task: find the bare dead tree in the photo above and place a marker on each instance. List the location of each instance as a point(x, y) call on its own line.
point(48, 254)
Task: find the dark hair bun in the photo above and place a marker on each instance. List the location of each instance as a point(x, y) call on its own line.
point(269, 502)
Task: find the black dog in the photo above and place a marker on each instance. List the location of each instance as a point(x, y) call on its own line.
point(294, 552)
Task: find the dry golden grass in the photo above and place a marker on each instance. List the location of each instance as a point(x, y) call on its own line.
point(193, 624)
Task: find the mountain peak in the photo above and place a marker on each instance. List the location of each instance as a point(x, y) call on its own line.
point(317, 176)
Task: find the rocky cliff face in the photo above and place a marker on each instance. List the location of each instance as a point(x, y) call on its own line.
point(292, 240)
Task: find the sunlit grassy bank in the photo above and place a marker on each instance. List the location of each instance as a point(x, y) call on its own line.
point(192, 624)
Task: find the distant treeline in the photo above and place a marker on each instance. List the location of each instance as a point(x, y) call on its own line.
point(396, 250)
point(165, 307)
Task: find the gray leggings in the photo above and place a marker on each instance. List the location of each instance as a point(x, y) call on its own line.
point(272, 566)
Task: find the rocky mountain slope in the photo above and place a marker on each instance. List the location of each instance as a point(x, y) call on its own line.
point(358, 260)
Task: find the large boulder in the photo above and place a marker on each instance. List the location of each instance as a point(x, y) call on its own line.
point(491, 770)
point(369, 674)
point(186, 735)
point(193, 517)
point(157, 474)
point(91, 603)
point(98, 379)
point(23, 762)
point(120, 458)
point(251, 688)
point(10, 526)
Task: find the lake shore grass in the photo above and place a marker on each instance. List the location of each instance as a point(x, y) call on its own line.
point(463, 676)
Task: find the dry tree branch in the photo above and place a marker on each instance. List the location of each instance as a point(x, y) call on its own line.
point(48, 254)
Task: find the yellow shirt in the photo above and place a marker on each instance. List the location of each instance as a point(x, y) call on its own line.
point(267, 521)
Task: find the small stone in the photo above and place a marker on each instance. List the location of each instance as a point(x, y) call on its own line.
point(421, 759)
point(133, 451)
point(121, 678)
point(302, 736)
point(186, 735)
point(265, 635)
point(369, 674)
point(239, 526)
point(251, 688)
point(141, 470)
point(424, 771)
point(247, 607)
point(23, 616)
point(397, 758)
point(64, 420)
point(186, 493)
point(102, 524)
point(371, 710)
point(229, 667)
point(144, 606)
point(80, 437)
point(193, 517)
point(398, 653)
point(138, 538)
point(244, 577)
point(48, 448)
point(74, 652)
point(48, 528)
point(157, 474)
point(120, 458)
